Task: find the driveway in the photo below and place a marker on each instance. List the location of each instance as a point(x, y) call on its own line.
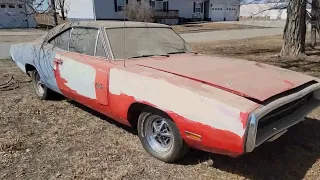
point(13, 36)
point(230, 34)
point(262, 23)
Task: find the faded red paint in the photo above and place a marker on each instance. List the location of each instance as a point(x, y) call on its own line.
point(102, 70)
point(238, 76)
point(212, 140)
point(117, 106)
point(204, 82)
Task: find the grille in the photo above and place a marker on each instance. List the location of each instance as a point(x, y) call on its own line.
point(282, 111)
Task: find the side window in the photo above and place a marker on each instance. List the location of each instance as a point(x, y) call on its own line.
point(61, 41)
point(100, 49)
point(83, 40)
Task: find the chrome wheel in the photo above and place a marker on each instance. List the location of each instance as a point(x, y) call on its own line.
point(159, 135)
point(40, 87)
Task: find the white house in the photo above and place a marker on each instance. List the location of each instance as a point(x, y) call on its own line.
point(274, 10)
point(167, 11)
point(16, 14)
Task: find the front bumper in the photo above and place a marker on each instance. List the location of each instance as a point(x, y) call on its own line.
point(254, 139)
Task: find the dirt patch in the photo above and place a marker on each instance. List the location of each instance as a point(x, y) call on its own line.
point(211, 26)
point(62, 140)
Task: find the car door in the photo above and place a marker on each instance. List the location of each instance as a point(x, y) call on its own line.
point(58, 45)
point(83, 76)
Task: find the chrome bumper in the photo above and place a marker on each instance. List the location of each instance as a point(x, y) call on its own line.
point(252, 140)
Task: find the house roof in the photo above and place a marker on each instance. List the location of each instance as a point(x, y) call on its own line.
point(100, 24)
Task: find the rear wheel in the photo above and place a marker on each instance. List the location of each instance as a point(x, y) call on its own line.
point(160, 136)
point(41, 90)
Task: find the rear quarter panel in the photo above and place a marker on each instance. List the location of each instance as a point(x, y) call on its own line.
point(39, 56)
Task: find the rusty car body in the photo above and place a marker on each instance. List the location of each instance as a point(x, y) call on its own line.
point(146, 76)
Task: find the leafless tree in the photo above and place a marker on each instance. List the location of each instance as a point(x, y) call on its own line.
point(294, 35)
point(61, 6)
point(54, 12)
point(139, 11)
point(315, 21)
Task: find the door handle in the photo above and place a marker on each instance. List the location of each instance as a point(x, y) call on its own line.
point(58, 61)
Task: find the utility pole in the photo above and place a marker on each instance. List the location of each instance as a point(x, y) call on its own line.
point(53, 4)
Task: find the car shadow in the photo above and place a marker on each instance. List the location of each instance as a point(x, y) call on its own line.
point(104, 117)
point(289, 157)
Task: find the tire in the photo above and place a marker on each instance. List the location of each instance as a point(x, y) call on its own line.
point(41, 90)
point(160, 136)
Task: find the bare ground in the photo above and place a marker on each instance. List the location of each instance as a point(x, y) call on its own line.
point(61, 139)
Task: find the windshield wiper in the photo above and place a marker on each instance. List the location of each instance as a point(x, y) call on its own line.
point(182, 52)
point(149, 55)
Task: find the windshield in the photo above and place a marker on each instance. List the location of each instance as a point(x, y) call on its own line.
point(144, 42)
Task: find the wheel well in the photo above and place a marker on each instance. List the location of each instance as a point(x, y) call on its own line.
point(136, 109)
point(29, 68)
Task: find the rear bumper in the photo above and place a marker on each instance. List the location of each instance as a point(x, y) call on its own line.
point(253, 139)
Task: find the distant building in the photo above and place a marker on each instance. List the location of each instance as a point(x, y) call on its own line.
point(15, 13)
point(167, 11)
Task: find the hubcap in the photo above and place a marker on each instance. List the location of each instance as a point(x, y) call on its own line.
point(39, 85)
point(159, 134)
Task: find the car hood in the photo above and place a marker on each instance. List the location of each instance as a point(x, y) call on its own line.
point(245, 78)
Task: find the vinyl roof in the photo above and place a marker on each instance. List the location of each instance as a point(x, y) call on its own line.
point(100, 24)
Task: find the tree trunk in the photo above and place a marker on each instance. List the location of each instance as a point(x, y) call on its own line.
point(315, 21)
point(62, 13)
point(61, 3)
point(294, 34)
point(55, 19)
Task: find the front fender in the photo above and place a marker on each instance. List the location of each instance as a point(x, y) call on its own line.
point(219, 125)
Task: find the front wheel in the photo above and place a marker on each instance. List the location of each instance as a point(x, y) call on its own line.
point(160, 136)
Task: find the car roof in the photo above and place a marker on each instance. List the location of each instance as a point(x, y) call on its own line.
point(101, 24)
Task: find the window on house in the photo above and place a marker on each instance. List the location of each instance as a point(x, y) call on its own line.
point(61, 41)
point(83, 41)
point(165, 6)
point(11, 6)
point(2, 6)
point(120, 4)
point(19, 6)
point(198, 7)
point(160, 5)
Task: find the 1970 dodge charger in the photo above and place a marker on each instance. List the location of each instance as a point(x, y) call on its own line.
point(146, 76)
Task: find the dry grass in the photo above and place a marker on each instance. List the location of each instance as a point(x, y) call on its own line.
point(211, 26)
point(265, 50)
point(63, 140)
